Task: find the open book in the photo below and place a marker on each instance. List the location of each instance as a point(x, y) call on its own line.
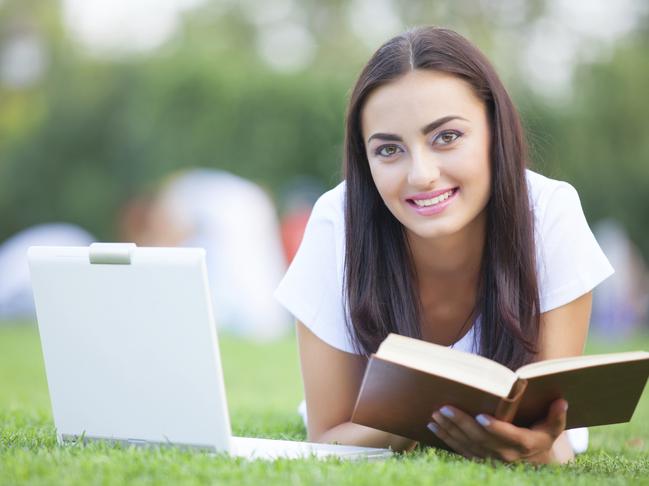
point(408, 379)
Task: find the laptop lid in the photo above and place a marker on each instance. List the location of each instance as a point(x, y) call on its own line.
point(129, 344)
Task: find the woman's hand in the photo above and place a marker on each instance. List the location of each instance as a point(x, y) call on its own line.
point(486, 437)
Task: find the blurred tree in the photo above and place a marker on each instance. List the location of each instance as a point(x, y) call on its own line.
point(87, 132)
point(110, 129)
point(599, 142)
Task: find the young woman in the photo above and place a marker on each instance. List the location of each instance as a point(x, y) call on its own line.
point(439, 232)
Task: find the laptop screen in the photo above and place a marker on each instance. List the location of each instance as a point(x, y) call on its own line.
point(129, 343)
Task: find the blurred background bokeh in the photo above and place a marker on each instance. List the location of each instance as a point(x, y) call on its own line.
point(103, 103)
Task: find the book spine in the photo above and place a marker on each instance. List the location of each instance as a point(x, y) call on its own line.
point(507, 407)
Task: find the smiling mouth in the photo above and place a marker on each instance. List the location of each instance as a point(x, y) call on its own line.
point(424, 203)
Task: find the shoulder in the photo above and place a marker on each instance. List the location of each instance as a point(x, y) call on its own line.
point(331, 204)
point(326, 223)
point(570, 262)
point(320, 258)
point(543, 190)
point(557, 211)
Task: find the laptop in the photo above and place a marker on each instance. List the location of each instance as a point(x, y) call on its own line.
point(131, 352)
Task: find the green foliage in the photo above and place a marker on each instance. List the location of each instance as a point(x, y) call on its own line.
point(112, 130)
point(94, 132)
point(599, 141)
point(264, 388)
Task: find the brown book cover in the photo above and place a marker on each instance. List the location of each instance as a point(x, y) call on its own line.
point(596, 395)
point(401, 400)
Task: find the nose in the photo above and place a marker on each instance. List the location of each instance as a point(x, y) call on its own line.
point(424, 170)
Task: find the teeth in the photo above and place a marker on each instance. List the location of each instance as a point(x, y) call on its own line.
point(429, 202)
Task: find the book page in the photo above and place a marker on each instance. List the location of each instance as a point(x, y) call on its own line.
point(469, 369)
point(577, 362)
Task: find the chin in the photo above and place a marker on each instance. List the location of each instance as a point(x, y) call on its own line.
point(433, 229)
point(430, 235)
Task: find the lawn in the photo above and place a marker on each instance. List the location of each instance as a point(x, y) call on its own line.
point(264, 388)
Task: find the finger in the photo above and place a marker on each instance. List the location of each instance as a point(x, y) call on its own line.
point(446, 417)
point(502, 453)
point(505, 433)
point(449, 427)
point(454, 444)
point(555, 421)
point(528, 441)
point(478, 438)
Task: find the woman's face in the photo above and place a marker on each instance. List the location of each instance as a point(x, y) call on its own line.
point(427, 141)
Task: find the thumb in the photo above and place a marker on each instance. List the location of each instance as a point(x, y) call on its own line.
point(555, 422)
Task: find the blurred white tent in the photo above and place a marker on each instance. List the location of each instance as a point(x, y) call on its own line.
point(16, 298)
point(236, 222)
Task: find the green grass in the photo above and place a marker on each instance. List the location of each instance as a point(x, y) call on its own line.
point(264, 388)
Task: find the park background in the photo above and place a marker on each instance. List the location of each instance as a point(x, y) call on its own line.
point(100, 101)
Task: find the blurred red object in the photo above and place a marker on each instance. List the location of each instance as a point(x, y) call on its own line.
point(292, 228)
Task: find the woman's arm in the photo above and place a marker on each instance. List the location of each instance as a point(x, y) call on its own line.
point(332, 379)
point(563, 334)
point(564, 329)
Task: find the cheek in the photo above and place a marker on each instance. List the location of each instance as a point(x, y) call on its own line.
point(385, 180)
point(481, 168)
point(478, 175)
point(472, 163)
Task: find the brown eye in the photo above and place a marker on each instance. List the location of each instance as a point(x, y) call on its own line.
point(387, 150)
point(446, 138)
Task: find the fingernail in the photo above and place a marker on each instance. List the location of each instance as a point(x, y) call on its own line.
point(483, 420)
point(447, 412)
point(433, 427)
point(565, 406)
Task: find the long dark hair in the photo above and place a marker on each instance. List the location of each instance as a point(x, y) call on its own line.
point(381, 293)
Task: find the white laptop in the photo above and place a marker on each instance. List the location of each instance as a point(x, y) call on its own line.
point(131, 352)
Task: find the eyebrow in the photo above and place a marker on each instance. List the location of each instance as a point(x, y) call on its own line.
point(427, 129)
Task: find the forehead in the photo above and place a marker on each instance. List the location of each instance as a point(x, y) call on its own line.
point(417, 98)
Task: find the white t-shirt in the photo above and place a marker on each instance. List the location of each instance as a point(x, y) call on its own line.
point(570, 262)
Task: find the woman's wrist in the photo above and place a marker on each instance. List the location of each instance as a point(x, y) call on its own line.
point(560, 453)
point(561, 450)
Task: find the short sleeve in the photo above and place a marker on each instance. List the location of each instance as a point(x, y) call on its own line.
point(570, 261)
point(311, 289)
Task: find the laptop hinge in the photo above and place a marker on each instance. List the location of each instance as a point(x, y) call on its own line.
point(111, 253)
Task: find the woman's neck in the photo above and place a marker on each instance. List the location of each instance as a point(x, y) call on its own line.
point(448, 275)
point(455, 257)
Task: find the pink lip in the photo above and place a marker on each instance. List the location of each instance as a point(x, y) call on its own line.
point(429, 195)
point(435, 208)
